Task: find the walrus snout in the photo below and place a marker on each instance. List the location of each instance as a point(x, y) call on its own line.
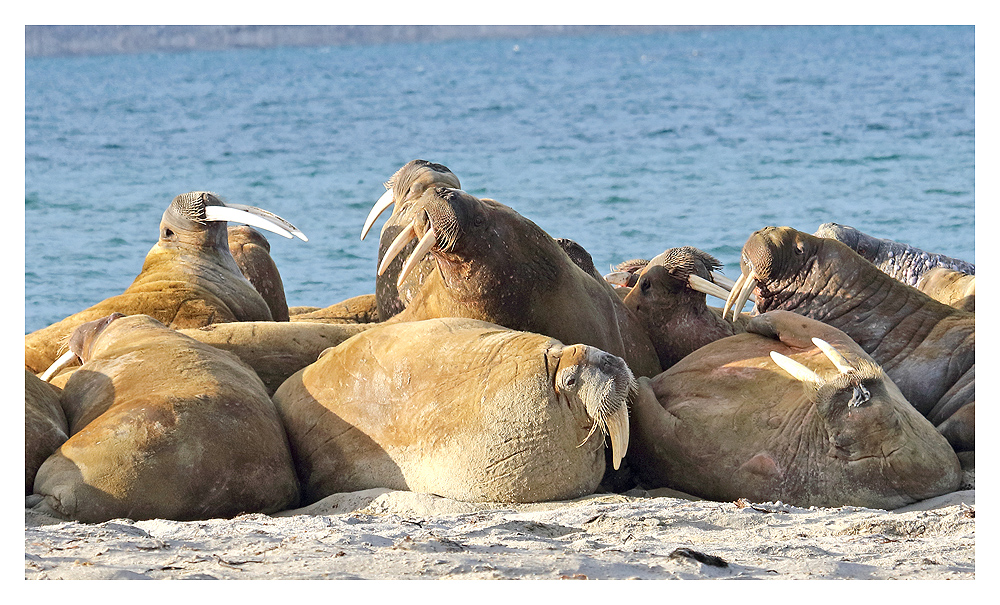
point(602, 382)
point(81, 342)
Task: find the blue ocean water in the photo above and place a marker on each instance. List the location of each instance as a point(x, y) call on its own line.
point(628, 145)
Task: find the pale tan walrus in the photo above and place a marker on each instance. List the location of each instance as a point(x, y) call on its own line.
point(162, 426)
point(189, 278)
point(456, 407)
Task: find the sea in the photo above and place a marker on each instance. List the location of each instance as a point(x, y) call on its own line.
point(628, 145)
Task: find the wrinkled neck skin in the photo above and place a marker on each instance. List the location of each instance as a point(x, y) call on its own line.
point(908, 264)
point(888, 319)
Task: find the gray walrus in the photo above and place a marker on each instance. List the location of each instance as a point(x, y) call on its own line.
point(492, 264)
point(927, 348)
point(163, 426)
point(459, 408)
point(408, 183)
point(772, 414)
point(902, 261)
point(45, 427)
point(252, 253)
point(188, 279)
point(668, 298)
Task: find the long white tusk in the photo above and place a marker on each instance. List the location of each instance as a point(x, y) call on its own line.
point(745, 292)
point(833, 355)
point(617, 428)
point(274, 218)
point(426, 243)
point(700, 284)
point(235, 215)
point(795, 369)
point(383, 202)
point(60, 363)
point(397, 244)
point(727, 283)
point(734, 293)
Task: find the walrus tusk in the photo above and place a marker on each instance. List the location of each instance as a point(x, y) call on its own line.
point(404, 237)
point(255, 217)
point(64, 360)
point(700, 284)
point(383, 202)
point(617, 428)
point(833, 355)
point(741, 293)
point(426, 243)
point(734, 292)
point(618, 278)
point(795, 369)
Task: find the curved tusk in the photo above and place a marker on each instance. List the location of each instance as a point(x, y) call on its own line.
point(734, 293)
point(700, 284)
point(383, 202)
point(270, 216)
point(617, 428)
point(396, 246)
point(833, 355)
point(727, 283)
point(795, 369)
point(235, 215)
point(745, 292)
point(618, 278)
point(425, 244)
point(64, 360)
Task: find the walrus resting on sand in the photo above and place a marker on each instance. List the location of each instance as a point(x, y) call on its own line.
point(162, 426)
point(494, 265)
point(774, 415)
point(189, 278)
point(459, 408)
point(44, 425)
point(926, 347)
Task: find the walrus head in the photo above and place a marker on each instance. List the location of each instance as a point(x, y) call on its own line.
point(80, 344)
point(192, 218)
point(603, 383)
point(775, 255)
point(409, 182)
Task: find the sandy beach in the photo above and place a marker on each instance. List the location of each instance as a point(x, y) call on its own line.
point(390, 535)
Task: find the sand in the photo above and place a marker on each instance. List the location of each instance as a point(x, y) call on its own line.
point(389, 535)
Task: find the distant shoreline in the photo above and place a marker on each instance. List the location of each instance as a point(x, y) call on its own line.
point(81, 40)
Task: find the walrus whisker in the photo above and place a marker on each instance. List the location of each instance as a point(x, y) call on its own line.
point(408, 233)
point(383, 202)
point(425, 244)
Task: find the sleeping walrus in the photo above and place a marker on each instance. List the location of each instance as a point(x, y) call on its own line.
point(459, 408)
point(189, 278)
point(793, 410)
point(926, 347)
point(163, 426)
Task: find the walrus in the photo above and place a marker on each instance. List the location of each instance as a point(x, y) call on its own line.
point(953, 288)
point(926, 347)
point(360, 309)
point(188, 279)
point(901, 261)
point(45, 427)
point(163, 426)
point(459, 408)
point(492, 264)
point(275, 350)
point(792, 410)
point(408, 183)
point(252, 253)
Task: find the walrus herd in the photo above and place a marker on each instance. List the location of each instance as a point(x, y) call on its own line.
point(494, 363)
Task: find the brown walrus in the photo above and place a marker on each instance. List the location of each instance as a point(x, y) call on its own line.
point(953, 288)
point(459, 408)
point(361, 309)
point(275, 349)
point(252, 253)
point(492, 264)
point(818, 424)
point(926, 347)
point(45, 427)
point(668, 298)
point(189, 278)
point(163, 426)
point(408, 183)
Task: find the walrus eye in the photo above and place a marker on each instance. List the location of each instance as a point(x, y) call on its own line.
point(645, 286)
point(168, 233)
point(799, 248)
